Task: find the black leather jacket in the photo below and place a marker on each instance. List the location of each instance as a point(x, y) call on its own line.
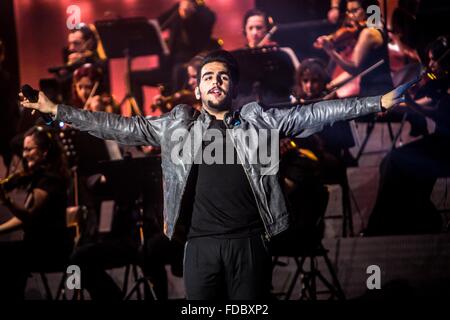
point(299, 121)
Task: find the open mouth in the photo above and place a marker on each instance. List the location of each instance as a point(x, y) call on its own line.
point(216, 92)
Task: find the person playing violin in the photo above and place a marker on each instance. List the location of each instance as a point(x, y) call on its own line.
point(370, 47)
point(87, 92)
point(256, 27)
point(408, 173)
point(46, 241)
point(81, 43)
point(81, 49)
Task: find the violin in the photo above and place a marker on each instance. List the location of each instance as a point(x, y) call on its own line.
point(16, 180)
point(344, 36)
point(266, 41)
point(166, 103)
point(424, 83)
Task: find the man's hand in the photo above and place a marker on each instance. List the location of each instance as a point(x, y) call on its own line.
point(397, 95)
point(43, 104)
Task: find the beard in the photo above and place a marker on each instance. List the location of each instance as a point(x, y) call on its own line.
point(224, 105)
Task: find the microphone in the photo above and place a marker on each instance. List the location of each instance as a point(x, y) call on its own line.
point(33, 96)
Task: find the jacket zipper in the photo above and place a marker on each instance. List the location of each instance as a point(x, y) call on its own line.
point(267, 235)
point(184, 188)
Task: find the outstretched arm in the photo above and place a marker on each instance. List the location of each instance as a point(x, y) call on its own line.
point(304, 120)
point(126, 130)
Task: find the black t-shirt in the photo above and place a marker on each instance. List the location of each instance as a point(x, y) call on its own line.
point(379, 81)
point(47, 226)
point(224, 204)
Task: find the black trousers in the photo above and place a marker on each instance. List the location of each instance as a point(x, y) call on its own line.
point(235, 269)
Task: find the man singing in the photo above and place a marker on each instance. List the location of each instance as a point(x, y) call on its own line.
point(231, 209)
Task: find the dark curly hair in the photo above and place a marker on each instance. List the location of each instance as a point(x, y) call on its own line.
point(47, 141)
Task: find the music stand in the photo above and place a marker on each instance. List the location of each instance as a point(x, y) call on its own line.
point(129, 38)
point(137, 181)
point(267, 74)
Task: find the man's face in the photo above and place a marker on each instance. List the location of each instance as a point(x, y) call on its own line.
point(255, 30)
point(215, 87)
point(75, 41)
point(311, 84)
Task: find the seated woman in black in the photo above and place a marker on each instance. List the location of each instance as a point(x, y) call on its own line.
point(46, 243)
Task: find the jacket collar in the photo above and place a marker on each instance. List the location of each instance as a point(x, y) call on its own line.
point(232, 118)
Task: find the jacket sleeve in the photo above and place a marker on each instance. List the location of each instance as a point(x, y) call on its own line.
point(304, 120)
point(137, 130)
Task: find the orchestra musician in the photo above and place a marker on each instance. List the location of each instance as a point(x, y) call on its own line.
point(81, 45)
point(268, 70)
point(82, 48)
point(333, 142)
point(46, 242)
point(370, 46)
point(408, 173)
point(257, 28)
point(87, 90)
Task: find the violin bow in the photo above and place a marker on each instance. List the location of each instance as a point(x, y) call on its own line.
point(335, 88)
point(268, 35)
point(91, 94)
point(345, 81)
point(351, 78)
